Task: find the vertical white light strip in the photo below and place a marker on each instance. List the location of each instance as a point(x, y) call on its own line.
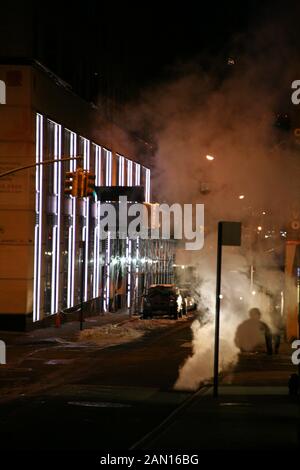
point(121, 170)
point(107, 263)
point(56, 213)
point(86, 166)
point(136, 287)
point(95, 260)
point(99, 182)
point(147, 189)
point(137, 174)
point(53, 268)
point(97, 228)
point(54, 228)
point(108, 168)
point(129, 173)
point(87, 153)
point(38, 215)
point(128, 256)
point(69, 276)
point(58, 188)
point(73, 166)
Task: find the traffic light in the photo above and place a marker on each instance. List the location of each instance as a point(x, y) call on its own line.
point(89, 188)
point(71, 183)
point(80, 182)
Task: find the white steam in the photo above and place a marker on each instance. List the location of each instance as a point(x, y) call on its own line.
point(237, 300)
point(232, 119)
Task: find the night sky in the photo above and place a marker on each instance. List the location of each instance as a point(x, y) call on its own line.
point(116, 50)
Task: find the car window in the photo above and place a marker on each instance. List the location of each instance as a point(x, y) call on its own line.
point(161, 291)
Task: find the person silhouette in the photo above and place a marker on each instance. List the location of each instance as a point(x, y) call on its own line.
point(253, 334)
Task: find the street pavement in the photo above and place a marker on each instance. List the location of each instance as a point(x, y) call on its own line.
point(95, 398)
point(68, 396)
point(28, 353)
point(253, 411)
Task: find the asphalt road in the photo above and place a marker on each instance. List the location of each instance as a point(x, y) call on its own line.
point(95, 398)
point(69, 397)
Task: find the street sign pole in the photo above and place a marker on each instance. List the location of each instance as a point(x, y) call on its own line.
point(229, 234)
point(217, 317)
point(34, 165)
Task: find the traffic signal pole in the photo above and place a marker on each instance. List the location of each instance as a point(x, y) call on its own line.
point(34, 165)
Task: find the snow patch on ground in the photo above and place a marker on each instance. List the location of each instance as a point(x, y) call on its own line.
point(122, 333)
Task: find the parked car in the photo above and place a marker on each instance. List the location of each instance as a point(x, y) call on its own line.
point(163, 299)
point(189, 299)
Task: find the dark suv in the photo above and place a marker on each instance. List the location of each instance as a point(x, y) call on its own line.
point(163, 299)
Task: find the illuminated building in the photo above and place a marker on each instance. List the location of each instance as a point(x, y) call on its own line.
point(41, 229)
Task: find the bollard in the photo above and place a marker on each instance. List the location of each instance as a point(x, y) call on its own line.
point(58, 320)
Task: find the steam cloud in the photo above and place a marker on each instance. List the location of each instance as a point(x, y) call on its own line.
point(237, 300)
point(230, 115)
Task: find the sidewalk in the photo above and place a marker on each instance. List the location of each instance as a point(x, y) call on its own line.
point(68, 330)
point(263, 369)
point(19, 343)
point(252, 412)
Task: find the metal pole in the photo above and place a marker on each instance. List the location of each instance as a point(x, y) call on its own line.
point(82, 283)
point(217, 318)
point(33, 165)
